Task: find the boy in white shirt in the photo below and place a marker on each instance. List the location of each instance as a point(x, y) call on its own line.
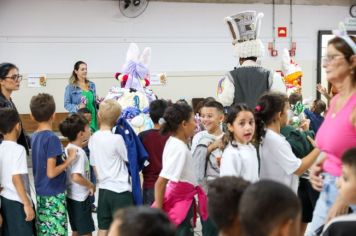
point(79, 188)
point(108, 156)
point(16, 204)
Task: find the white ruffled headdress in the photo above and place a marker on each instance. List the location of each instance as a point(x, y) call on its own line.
point(245, 29)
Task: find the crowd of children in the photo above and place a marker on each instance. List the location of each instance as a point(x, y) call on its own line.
point(183, 164)
point(249, 171)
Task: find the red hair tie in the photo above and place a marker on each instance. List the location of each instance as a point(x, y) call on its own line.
point(258, 108)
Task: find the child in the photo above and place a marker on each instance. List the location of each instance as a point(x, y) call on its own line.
point(301, 146)
point(206, 144)
point(86, 113)
point(240, 157)
point(16, 204)
point(79, 188)
point(314, 114)
point(268, 208)
point(278, 161)
point(49, 165)
point(345, 225)
point(177, 198)
point(142, 221)
point(223, 205)
point(108, 155)
point(154, 143)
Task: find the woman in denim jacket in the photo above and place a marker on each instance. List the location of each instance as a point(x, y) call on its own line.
point(80, 93)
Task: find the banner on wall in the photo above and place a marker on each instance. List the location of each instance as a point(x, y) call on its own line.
point(36, 80)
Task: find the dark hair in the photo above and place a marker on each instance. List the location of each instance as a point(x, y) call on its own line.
point(72, 125)
point(9, 117)
point(341, 45)
point(42, 107)
point(266, 204)
point(74, 78)
point(174, 116)
point(294, 98)
point(157, 108)
point(5, 69)
point(83, 110)
point(224, 197)
point(182, 101)
point(349, 158)
point(319, 106)
point(214, 104)
point(230, 118)
point(144, 221)
point(267, 107)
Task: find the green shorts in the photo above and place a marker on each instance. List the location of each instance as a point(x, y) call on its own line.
point(14, 219)
point(108, 203)
point(80, 217)
point(51, 215)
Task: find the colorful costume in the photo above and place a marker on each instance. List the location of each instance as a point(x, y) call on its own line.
point(245, 84)
point(133, 93)
point(292, 74)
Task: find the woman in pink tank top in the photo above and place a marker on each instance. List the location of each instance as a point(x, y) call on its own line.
point(337, 134)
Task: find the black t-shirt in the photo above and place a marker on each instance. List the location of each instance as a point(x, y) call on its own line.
point(341, 226)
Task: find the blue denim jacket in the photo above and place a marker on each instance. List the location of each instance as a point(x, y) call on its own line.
point(73, 94)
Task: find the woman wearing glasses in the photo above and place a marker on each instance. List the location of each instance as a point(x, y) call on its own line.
point(81, 93)
point(337, 134)
point(10, 81)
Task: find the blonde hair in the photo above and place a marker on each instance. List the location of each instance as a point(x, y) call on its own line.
point(109, 112)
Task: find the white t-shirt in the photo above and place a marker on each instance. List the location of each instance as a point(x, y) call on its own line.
point(240, 161)
point(13, 162)
point(81, 166)
point(278, 161)
point(108, 154)
point(177, 162)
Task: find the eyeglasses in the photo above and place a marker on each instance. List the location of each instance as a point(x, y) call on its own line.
point(16, 78)
point(330, 58)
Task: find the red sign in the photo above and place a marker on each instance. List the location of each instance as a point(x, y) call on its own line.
point(282, 32)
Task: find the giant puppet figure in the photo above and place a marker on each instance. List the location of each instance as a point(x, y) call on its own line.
point(133, 93)
point(247, 82)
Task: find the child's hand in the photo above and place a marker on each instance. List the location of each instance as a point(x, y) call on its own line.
point(305, 124)
point(312, 141)
point(29, 212)
point(0, 220)
point(72, 154)
point(92, 189)
point(321, 89)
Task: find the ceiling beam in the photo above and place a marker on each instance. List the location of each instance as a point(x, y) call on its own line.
point(295, 2)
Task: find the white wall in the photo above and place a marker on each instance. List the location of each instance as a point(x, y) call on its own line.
point(189, 41)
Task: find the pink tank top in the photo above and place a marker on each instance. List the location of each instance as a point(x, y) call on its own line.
point(336, 135)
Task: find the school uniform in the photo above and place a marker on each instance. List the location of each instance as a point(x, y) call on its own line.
point(240, 160)
point(13, 162)
point(179, 201)
point(108, 154)
point(78, 201)
point(278, 161)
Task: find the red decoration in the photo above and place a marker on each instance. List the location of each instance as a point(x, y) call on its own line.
point(282, 32)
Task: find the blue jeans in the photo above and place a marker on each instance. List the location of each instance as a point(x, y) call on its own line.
point(325, 201)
